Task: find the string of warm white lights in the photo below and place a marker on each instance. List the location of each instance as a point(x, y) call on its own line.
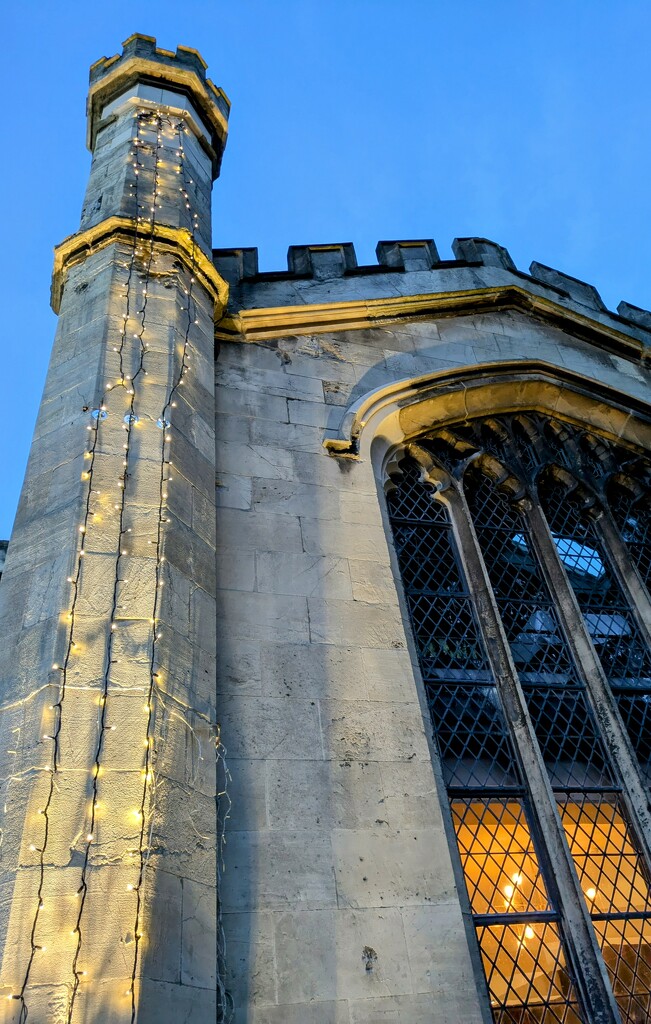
point(164, 480)
point(129, 382)
point(143, 249)
point(224, 804)
point(98, 415)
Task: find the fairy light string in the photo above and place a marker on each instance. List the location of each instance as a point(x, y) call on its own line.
point(144, 250)
point(164, 480)
point(70, 644)
point(129, 383)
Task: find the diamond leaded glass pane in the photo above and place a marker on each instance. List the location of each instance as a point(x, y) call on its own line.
point(610, 869)
point(624, 655)
point(528, 977)
point(500, 864)
point(475, 749)
point(626, 948)
point(633, 517)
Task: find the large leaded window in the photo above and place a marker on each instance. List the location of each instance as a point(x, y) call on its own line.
point(524, 546)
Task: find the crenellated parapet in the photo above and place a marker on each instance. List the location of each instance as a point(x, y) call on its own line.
point(410, 279)
point(146, 72)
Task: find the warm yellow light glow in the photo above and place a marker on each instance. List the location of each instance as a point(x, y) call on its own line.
point(529, 933)
point(591, 893)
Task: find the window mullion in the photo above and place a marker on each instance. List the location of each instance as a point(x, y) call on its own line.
point(626, 574)
point(589, 666)
point(579, 935)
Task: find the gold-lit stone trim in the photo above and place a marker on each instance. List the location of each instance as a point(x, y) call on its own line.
point(258, 324)
point(454, 396)
point(77, 248)
point(133, 69)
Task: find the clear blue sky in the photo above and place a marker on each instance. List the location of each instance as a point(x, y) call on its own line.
point(353, 120)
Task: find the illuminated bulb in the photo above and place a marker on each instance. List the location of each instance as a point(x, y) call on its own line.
point(508, 891)
point(517, 879)
point(591, 893)
point(32, 847)
point(129, 887)
point(529, 933)
point(89, 837)
point(55, 666)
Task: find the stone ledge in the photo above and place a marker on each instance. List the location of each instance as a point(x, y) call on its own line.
point(76, 248)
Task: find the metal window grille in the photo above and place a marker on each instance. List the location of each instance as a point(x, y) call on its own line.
point(517, 925)
point(501, 460)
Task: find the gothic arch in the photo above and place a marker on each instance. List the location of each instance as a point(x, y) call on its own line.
point(400, 411)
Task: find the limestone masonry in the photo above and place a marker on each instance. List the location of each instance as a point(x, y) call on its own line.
point(226, 768)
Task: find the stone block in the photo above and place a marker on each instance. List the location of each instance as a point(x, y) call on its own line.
point(312, 671)
point(307, 575)
point(641, 317)
point(371, 731)
point(418, 1009)
point(481, 250)
point(322, 262)
point(252, 460)
point(410, 795)
point(199, 935)
point(391, 869)
point(278, 871)
point(187, 1003)
point(353, 623)
point(243, 807)
point(437, 947)
point(250, 961)
point(262, 617)
point(236, 571)
point(355, 954)
point(238, 666)
point(236, 401)
point(296, 1013)
point(270, 382)
point(272, 728)
point(325, 537)
point(410, 255)
point(257, 530)
point(579, 291)
point(236, 264)
point(325, 795)
point(389, 675)
point(232, 491)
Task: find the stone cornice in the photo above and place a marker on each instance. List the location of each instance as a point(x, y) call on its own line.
point(78, 247)
point(259, 324)
point(119, 73)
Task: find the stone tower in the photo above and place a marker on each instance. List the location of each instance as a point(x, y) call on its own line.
point(108, 602)
point(374, 570)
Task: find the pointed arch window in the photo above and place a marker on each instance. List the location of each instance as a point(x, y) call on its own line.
point(524, 551)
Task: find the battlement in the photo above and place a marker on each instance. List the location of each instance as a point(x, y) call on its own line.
point(143, 63)
point(411, 267)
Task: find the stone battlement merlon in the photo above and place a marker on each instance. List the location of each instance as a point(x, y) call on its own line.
point(142, 63)
point(318, 274)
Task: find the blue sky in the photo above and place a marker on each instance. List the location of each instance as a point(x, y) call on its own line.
point(353, 120)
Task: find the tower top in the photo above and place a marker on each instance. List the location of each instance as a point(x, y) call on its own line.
point(143, 64)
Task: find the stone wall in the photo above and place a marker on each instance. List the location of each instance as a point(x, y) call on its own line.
point(339, 896)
